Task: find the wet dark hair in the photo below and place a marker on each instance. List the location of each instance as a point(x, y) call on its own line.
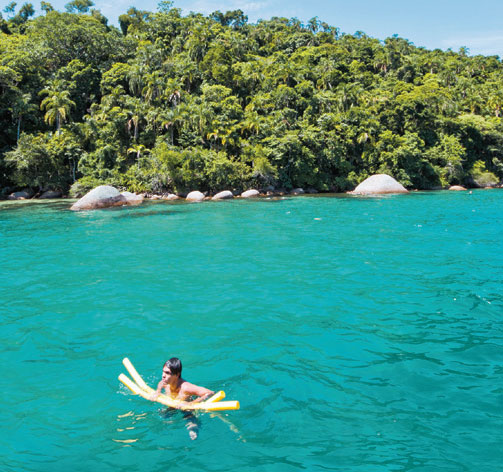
point(174, 365)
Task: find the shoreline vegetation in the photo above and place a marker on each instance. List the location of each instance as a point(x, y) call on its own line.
point(168, 103)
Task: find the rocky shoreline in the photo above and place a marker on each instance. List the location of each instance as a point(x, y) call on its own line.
point(105, 196)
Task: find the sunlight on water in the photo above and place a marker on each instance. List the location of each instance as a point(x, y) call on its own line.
point(357, 333)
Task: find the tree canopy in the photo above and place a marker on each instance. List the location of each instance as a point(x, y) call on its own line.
point(173, 102)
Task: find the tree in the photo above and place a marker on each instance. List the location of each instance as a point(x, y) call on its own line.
point(135, 18)
point(45, 161)
point(138, 149)
point(57, 105)
point(165, 6)
point(64, 37)
point(10, 8)
point(46, 7)
point(26, 11)
point(171, 118)
point(79, 6)
point(21, 107)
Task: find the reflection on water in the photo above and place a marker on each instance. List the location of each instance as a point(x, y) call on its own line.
point(126, 424)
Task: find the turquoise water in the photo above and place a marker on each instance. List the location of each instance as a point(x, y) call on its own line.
point(358, 334)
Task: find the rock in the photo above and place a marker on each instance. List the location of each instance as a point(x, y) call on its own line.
point(457, 188)
point(23, 195)
point(51, 194)
point(170, 196)
point(132, 198)
point(297, 191)
point(195, 196)
point(225, 195)
point(103, 196)
point(311, 190)
point(379, 184)
point(252, 193)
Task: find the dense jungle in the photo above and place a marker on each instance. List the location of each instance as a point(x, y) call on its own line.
point(168, 102)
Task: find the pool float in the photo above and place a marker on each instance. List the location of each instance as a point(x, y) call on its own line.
point(139, 387)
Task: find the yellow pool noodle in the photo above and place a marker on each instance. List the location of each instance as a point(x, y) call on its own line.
point(138, 391)
point(142, 389)
point(165, 400)
point(136, 376)
point(217, 397)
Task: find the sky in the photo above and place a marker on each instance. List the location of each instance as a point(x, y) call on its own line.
point(443, 24)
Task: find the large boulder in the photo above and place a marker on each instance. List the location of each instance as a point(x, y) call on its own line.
point(225, 195)
point(50, 194)
point(103, 196)
point(132, 198)
point(269, 188)
point(195, 196)
point(252, 193)
point(297, 191)
point(379, 184)
point(23, 195)
point(457, 188)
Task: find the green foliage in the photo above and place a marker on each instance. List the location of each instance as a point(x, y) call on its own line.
point(79, 6)
point(481, 176)
point(46, 7)
point(447, 159)
point(177, 103)
point(80, 187)
point(223, 173)
point(57, 105)
point(263, 172)
point(45, 161)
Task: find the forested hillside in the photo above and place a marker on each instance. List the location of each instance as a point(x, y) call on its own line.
point(172, 102)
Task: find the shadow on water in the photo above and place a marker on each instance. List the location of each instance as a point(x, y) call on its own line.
point(23, 205)
point(146, 209)
point(144, 212)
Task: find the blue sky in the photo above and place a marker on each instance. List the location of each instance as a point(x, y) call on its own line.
point(442, 24)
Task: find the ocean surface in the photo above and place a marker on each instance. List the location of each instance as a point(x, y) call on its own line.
point(358, 334)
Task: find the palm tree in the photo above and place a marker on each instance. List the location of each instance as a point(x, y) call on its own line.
point(171, 118)
point(138, 149)
point(154, 87)
point(21, 107)
point(251, 123)
point(136, 113)
point(57, 105)
point(495, 98)
point(136, 77)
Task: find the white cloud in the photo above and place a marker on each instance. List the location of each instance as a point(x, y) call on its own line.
point(209, 6)
point(487, 44)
